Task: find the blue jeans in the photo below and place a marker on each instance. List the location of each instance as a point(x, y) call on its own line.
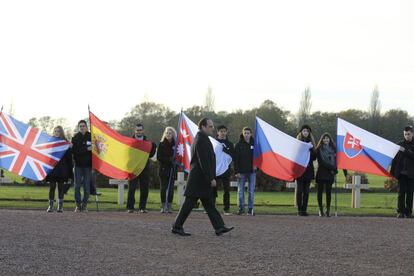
point(251, 177)
point(82, 177)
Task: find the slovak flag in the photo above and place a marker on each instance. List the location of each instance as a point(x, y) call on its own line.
point(27, 151)
point(187, 130)
point(278, 154)
point(363, 151)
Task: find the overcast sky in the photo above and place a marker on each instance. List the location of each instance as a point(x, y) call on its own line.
point(58, 56)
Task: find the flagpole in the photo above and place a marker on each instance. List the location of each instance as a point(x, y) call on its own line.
point(335, 176)
point(336, 198)
point(93, 174)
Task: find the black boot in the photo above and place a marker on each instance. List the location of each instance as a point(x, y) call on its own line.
point(327, 211)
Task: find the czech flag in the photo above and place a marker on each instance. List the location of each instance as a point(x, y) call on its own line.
point(278, 154)
point(363, 151)
point(187, 130)
point(114, 155)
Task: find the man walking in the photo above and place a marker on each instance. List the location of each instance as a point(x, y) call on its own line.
point(201, 181)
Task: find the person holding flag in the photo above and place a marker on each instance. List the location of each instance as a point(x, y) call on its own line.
point(402, 168)
point(224, 179)
point(325, 175)
point(165, 157)
point(142, 179)
point(245, 170)
point(303, 182)
point(60, 174)
point(201, 181)
point(82, 154)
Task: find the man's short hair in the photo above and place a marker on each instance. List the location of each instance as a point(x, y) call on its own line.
point(82, 122)
point(202, 122)
point(408, 128)
point(140, 125)
point(247, 128)
point(220, 127)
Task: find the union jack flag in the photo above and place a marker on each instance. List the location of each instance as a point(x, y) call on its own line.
point(27, 151)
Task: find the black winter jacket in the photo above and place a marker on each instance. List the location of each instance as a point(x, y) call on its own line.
point(165, 157)
point(81, 154)
point(404, 161)
point(63, 169)
point(326, 172)
point(243, 156)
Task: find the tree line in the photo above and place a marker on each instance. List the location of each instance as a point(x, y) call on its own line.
point(155, 117)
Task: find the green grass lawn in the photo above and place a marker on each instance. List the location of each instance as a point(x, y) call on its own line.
point(372, 204)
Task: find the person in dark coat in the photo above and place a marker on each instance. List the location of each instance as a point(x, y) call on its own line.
point(142, 179)
point(165, 157)
point(224, 179)
point(244, 170)
point(60, 174)
point(201, 181)
point(82, 154)
point(402, 168)
point(303, 182)
point(325, 175)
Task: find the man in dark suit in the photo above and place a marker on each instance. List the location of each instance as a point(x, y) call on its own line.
point(201, 181)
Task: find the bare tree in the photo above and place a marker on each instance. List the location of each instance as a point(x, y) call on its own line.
point(304, 107)
point(209, 100)
point(374, 111)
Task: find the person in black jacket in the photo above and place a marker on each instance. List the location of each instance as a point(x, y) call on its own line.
point(325, 175)
point(143, 178)
point(165, 157)
point(200, 182)
point(303, 182)
point(402, 168)
point(60, 174)
point(244, 170)
point(224, 179)
point(82, 153)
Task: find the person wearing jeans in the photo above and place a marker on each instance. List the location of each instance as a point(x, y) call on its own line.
point(243, 167)
point(251, 178)
point(82, 153)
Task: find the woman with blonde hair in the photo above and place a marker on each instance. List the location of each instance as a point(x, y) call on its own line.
point(303, 182)
point(60, 174)
point(165, 157)
point(325, 175)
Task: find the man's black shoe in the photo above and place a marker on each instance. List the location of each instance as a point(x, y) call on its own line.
point(180, 231)
point(223, 230)
point(409, 216)
point(400, 215)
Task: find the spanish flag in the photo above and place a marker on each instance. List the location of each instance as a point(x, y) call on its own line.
point(114, 155)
